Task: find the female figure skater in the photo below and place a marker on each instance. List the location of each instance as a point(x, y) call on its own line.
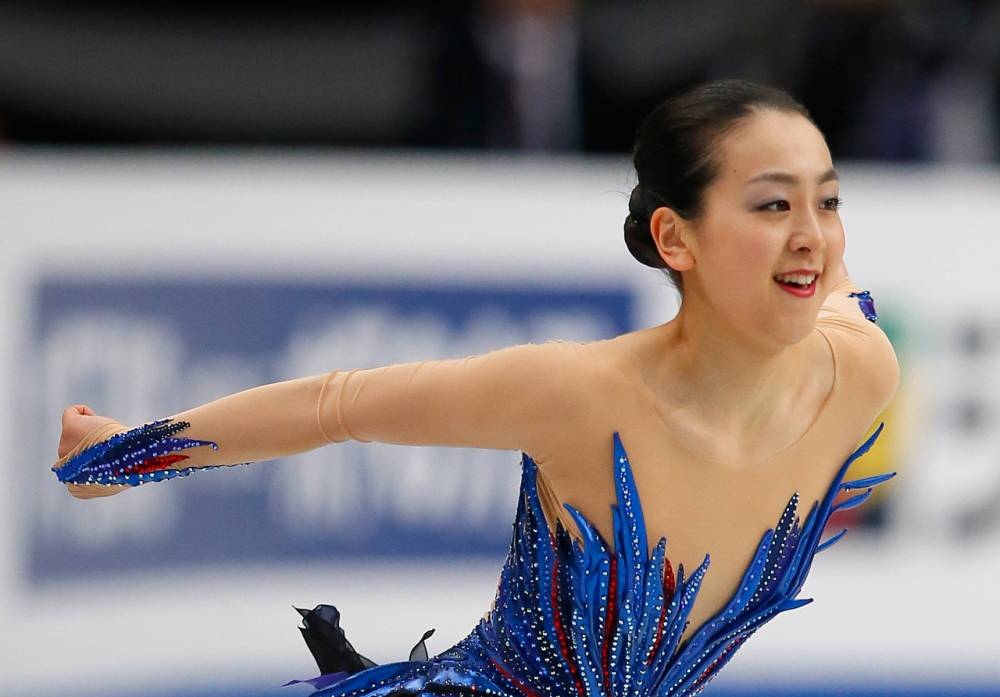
point(706, 431)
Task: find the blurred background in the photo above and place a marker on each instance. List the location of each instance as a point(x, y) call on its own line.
point(198, 198)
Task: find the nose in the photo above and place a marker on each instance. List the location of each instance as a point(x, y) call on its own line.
point(807, 233)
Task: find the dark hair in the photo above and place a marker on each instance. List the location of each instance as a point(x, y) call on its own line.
point(674, 154)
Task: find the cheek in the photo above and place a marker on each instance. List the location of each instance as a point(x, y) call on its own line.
point(751, 255)
point(741, 272)
point(737, 254)
point(835, 244)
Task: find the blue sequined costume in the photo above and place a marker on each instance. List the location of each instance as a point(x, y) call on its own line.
point(572, 620)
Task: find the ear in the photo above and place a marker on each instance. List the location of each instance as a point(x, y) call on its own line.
point(668, 230)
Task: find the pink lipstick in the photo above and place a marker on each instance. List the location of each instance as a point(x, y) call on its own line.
point(797, 290)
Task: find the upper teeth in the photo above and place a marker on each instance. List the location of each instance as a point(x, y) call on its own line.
point(796, 278)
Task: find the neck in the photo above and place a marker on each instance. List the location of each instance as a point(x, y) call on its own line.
point(720, 376)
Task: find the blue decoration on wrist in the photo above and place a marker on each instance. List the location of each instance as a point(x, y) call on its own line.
point(867, 304)
point(134, 457)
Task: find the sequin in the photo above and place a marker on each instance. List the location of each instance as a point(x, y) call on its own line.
point(586, 620)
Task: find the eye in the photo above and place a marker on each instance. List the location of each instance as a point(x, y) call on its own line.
point(833, 203)
point(779, 205)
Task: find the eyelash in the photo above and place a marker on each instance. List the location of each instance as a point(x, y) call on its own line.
point(837, 203)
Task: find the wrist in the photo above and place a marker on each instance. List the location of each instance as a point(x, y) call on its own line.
point(91, 438)
point(132, 456)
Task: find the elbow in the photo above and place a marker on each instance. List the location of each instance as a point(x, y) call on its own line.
point(329, 418)
point(330, 413)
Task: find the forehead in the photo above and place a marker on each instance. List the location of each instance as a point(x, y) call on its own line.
point(772, 141)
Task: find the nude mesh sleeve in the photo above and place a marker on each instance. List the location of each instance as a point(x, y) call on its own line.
point(517, 398)
point(261, 423)
point(513, 398)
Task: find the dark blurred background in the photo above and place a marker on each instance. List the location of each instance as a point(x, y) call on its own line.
point(887, 80)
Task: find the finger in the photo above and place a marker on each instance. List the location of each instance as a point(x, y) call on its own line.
point(91, 491)
point(75, 410)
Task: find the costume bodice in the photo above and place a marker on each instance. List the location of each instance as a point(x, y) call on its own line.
point(596, 619)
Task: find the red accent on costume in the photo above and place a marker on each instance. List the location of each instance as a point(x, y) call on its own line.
point(155, 464)
point(668, 595)
point(527, 691)
point(560, 632)
point(609, 621)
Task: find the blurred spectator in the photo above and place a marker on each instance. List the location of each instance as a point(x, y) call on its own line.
point(885, 79)
point(904, 81)
point(508, 77)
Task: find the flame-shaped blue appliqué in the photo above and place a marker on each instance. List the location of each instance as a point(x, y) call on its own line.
point(586, 620)
point(137, 456)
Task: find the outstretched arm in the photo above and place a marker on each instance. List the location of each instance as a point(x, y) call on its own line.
point(257, 424)
point(518, 398)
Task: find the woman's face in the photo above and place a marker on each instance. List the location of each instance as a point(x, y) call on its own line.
point(771, 210)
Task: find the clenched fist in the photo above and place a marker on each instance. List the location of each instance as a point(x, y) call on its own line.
point(78, 422)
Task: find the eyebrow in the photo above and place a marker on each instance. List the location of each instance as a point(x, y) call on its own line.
point(786, 178)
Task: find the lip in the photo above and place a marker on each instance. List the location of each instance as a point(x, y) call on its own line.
point(804, 272)
point(806, 292)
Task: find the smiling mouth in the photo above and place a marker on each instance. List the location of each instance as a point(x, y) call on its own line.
point(802, 285)
point(794, 284)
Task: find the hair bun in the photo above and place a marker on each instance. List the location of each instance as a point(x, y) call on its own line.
point(638, 237)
